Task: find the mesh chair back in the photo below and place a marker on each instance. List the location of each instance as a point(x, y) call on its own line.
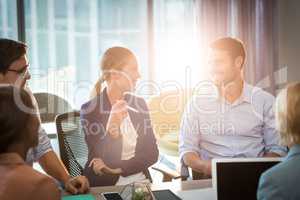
point(73, 149)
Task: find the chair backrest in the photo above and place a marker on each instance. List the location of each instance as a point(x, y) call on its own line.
point(166, 110)
point(51, 105)
point(72, 145)
point(73, 149)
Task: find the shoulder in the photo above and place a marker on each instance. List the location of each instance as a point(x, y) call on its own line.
point(91, 107)
point(282, 179)
point(260, 95)
point(91, 102)
point(33, 182)
point(46, 188)
point(28, 173)
point(282, 172)
point(270, 185)
point(43, 186)
point(276, 176)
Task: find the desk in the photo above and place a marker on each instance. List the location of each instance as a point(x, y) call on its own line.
point(185, 189)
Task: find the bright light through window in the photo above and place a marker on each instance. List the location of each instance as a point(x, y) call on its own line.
point(179, 57)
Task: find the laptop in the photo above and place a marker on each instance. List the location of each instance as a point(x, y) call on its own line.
point(238, 178)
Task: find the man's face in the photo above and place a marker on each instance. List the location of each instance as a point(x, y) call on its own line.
point(17, 74)
point(223, 68)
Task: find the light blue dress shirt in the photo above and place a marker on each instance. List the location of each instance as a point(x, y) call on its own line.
point(282, 181)
point(214, 128)
point(44, 146)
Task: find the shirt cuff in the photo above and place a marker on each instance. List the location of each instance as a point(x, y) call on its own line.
point(280, 150)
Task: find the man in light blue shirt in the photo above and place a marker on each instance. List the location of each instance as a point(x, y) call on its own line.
point(229, 118)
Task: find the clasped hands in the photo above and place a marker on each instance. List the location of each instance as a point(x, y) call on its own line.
point(100, 168)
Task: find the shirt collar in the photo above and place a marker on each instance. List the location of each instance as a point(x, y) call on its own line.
point(11, 158)
point(245, 95)
point(294, 150)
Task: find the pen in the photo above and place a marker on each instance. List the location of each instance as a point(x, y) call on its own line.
point(132, 109)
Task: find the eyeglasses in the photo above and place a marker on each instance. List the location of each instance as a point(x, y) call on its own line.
point(21, 72)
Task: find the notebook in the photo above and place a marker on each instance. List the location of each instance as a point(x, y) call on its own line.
point(79, 197)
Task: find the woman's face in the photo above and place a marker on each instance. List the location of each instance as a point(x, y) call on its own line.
point(128, 76)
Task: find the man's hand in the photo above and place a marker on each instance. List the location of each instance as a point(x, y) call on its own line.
point(55, 168)
point(207, 167)
point(192, 160)
point(271, 154)
point(100, 168)
point(77, 185)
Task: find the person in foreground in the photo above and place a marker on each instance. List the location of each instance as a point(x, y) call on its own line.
point(19, 132)
point(282, 181)
point(117, 126)
point(14, 70)
point(232, 119)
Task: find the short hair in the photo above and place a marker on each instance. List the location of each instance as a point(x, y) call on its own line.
point(10, 51)
point(287, 113)
point(14, 121)
point(234, 47)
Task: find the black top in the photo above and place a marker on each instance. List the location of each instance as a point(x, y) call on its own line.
point(94, 116)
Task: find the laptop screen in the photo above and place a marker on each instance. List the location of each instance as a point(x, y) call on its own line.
point(239, 178)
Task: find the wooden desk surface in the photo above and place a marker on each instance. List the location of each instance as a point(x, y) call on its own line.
point(174, 186)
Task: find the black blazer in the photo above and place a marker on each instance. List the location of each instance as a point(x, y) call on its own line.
point(94, 116)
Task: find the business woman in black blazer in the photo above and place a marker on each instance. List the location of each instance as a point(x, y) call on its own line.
point(103, 115)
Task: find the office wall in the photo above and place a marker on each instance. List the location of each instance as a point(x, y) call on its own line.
point(289, 38)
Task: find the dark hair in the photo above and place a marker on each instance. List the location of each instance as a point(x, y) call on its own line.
point(13, 120)
point(10, 51)
point(233, 46)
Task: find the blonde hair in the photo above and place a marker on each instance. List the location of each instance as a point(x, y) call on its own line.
point(114, 58)
point(288, 114)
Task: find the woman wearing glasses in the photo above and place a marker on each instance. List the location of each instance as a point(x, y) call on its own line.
point(117, 125)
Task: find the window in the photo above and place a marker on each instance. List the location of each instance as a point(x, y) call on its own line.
point(8, 19)
point(177, 45)
point(67, 38)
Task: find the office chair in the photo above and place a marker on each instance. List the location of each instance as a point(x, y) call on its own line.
point(73, 149)
point(51, 105)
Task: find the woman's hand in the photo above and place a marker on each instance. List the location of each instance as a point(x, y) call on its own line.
point(100, 168)
point(97, 165)
point(118, 113)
